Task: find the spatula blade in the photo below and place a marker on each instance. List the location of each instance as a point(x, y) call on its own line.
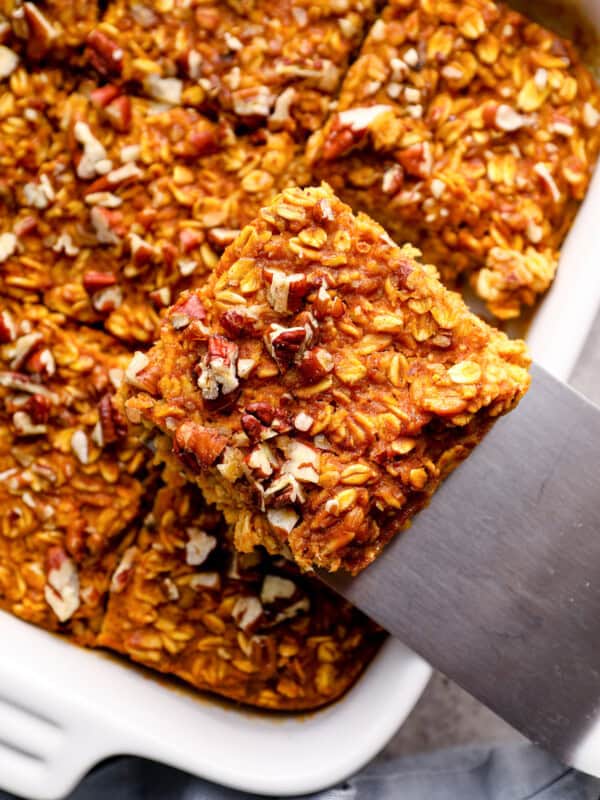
point(497, 583)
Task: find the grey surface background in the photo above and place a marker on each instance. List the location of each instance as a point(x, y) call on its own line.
point(446, 716)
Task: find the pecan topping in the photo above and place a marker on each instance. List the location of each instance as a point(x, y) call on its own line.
point(417, 159)
point(38, 407)
point(104, 95)
point(202, 142)
point(247, 612)
point(107, 300)
point(9, 61)
point(222, 237)
point(349, 127)
point(253, 427)
point(262, 421)
point(315, 364)
point(198, 446)
point(24, 347)
point(286, 345)
point(187, 310)
point(119, 113)
point(41, 362)
point(62, 586)
point(93, 281)
point(199, 546)
point(8, 330)
point(285, 292)
point(236, 321)
point(25, 426)
point(142, 252)
point(161, 297)
point(42, 33)
point(112, 423)
point(105, 54)
point(123, 572)
point(190, 239)
point(217, 371)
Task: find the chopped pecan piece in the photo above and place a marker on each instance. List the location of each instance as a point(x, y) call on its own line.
point(315, 364)
point(105, 54)
point(8, 331)
point(217, 373)
point(41, 33)
point(286, 345)
point(236, 321)
point(93, 281)
point(186, 310)
point(112, 423)
point(202, 444)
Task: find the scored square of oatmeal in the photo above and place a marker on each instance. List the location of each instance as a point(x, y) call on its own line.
point(113, 203)
point(260, 62)
point(69, 474)
point(323, 383)
point(472, 132)
point(246, 626)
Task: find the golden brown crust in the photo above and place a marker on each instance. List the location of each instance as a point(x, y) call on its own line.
point(247, 627)
point(324, 377)
point(471, 132)
point(261, 63)
point(68, 488)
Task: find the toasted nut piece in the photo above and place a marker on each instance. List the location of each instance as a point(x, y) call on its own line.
point(41, 33)
point(203, 444)
point(8, 62)
point(94, 281)
point(105, 54)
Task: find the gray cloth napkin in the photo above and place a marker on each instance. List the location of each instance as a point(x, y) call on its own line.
point(516, 772)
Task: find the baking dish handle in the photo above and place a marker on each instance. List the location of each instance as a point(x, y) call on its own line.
point(53, 731)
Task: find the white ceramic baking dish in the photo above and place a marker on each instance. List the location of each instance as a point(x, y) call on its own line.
point(63, 709)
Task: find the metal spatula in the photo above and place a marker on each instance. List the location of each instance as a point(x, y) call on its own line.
point(497, 583)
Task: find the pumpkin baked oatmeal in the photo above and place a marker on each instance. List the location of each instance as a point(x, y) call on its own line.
point(69, 473)
point(113, 203)
point(322, 383)
point(472, 132)
point(263, 63)
point(246, 626)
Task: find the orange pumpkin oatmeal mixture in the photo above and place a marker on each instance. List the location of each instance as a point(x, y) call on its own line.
point(213, 380)
point(246, 626)
point(471, 132)
point(70, 476)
